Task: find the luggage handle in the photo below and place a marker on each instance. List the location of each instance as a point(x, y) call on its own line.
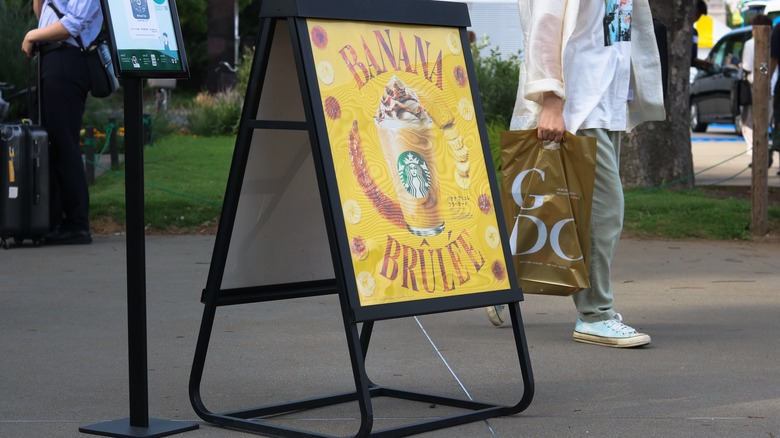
point(36, 164)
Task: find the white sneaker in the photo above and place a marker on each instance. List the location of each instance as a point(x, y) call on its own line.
point(494, 314)
point(609, 333)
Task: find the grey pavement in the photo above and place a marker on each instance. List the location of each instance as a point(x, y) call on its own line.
point(720, 158)
point(712, 369)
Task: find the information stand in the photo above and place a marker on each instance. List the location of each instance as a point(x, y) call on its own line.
point(370, 110)
point(146, 43)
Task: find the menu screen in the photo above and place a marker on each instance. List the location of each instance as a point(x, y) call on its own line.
point(147, 38)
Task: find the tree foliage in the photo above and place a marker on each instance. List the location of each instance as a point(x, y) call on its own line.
point(194, 27)
point(16, 18)
point(497, 81)
point(194, 18)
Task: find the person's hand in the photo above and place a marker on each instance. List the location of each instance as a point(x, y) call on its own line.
point(28, 46)
point(551, 124)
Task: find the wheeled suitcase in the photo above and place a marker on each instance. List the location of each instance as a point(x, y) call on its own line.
point(24, 183)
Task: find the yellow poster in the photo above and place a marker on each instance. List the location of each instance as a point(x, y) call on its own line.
point(411, 173)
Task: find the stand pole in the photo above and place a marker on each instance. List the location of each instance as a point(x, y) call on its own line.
point(138, 424)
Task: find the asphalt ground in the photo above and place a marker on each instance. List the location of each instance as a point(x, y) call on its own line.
point(712, 370)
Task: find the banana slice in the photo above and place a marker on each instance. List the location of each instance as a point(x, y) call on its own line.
point(325, 72)
point(452, 135)
point(463, 167)
point(366, 283)
point(463, 181)
point(466, 109)
point(453, 43)
point(352, 211)
point(492, 237)
point(461, 153)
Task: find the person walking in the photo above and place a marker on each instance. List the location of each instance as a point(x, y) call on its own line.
point(748, 56)
point(597, 82)
point(64, 85)
point(774, 57)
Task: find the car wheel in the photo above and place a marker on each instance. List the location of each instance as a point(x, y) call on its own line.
point(696, 125)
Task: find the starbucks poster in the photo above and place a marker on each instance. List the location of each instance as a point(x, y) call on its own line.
point(411, 172)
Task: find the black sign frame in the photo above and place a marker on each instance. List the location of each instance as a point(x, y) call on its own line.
point(421, 306)
point(284, 28)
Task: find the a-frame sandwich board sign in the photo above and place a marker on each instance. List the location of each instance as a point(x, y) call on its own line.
point(362, 142)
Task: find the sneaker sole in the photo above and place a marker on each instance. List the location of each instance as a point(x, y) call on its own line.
point(494, 317)
point(633, 341)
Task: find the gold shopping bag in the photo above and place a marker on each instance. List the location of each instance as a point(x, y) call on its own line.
point(547, 195)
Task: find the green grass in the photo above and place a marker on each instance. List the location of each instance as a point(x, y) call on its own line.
point(716, 214)
point(185, 184)
point(185, 180)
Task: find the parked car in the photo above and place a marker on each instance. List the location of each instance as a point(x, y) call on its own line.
point(751, 8)
point(710, 98)
point(772, 9)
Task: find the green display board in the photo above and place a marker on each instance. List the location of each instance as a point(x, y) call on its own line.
point(146, 37)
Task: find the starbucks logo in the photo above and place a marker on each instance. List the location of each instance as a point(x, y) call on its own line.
point(414, 173)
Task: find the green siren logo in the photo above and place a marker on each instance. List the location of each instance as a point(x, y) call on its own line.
point(414, 173)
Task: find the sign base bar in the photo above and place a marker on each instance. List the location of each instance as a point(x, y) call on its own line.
point(256, 420)
point(123, 428)
point(252, 420)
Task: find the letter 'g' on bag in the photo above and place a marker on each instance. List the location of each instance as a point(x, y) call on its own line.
point(547, 195)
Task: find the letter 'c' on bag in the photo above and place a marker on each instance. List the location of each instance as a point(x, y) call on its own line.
point(547, 195)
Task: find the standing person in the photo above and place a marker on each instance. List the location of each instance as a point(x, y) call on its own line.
point(64, 85)
point(704, 64)
point(585, 83)
point(748, 55)
point(774, 56)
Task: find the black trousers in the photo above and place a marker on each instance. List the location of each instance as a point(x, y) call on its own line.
point(64, 86)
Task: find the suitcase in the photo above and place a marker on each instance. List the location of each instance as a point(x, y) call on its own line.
point(24, 183)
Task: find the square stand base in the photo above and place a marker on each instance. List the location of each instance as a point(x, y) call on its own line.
point(122, 428)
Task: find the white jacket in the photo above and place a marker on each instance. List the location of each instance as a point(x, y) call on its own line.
point(543, 74)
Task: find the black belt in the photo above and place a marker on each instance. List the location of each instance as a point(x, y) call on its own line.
point(58, 45)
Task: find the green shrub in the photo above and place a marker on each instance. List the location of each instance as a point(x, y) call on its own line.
point(98, 111)
point(497, 80)
point(244, 70)
point(16, 19)
point(494, 137)
point(216, 114)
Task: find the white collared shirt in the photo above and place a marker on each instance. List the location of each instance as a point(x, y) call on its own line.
point(81, 18)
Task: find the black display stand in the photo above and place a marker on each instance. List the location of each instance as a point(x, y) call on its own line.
point(138, 424)
point(284, 37)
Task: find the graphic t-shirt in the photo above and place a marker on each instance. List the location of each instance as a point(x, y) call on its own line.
point(597, 66)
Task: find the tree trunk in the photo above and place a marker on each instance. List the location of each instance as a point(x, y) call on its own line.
point(658, 152)
point(220, 47)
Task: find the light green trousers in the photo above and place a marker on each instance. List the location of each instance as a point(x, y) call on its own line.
point(595, 304)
